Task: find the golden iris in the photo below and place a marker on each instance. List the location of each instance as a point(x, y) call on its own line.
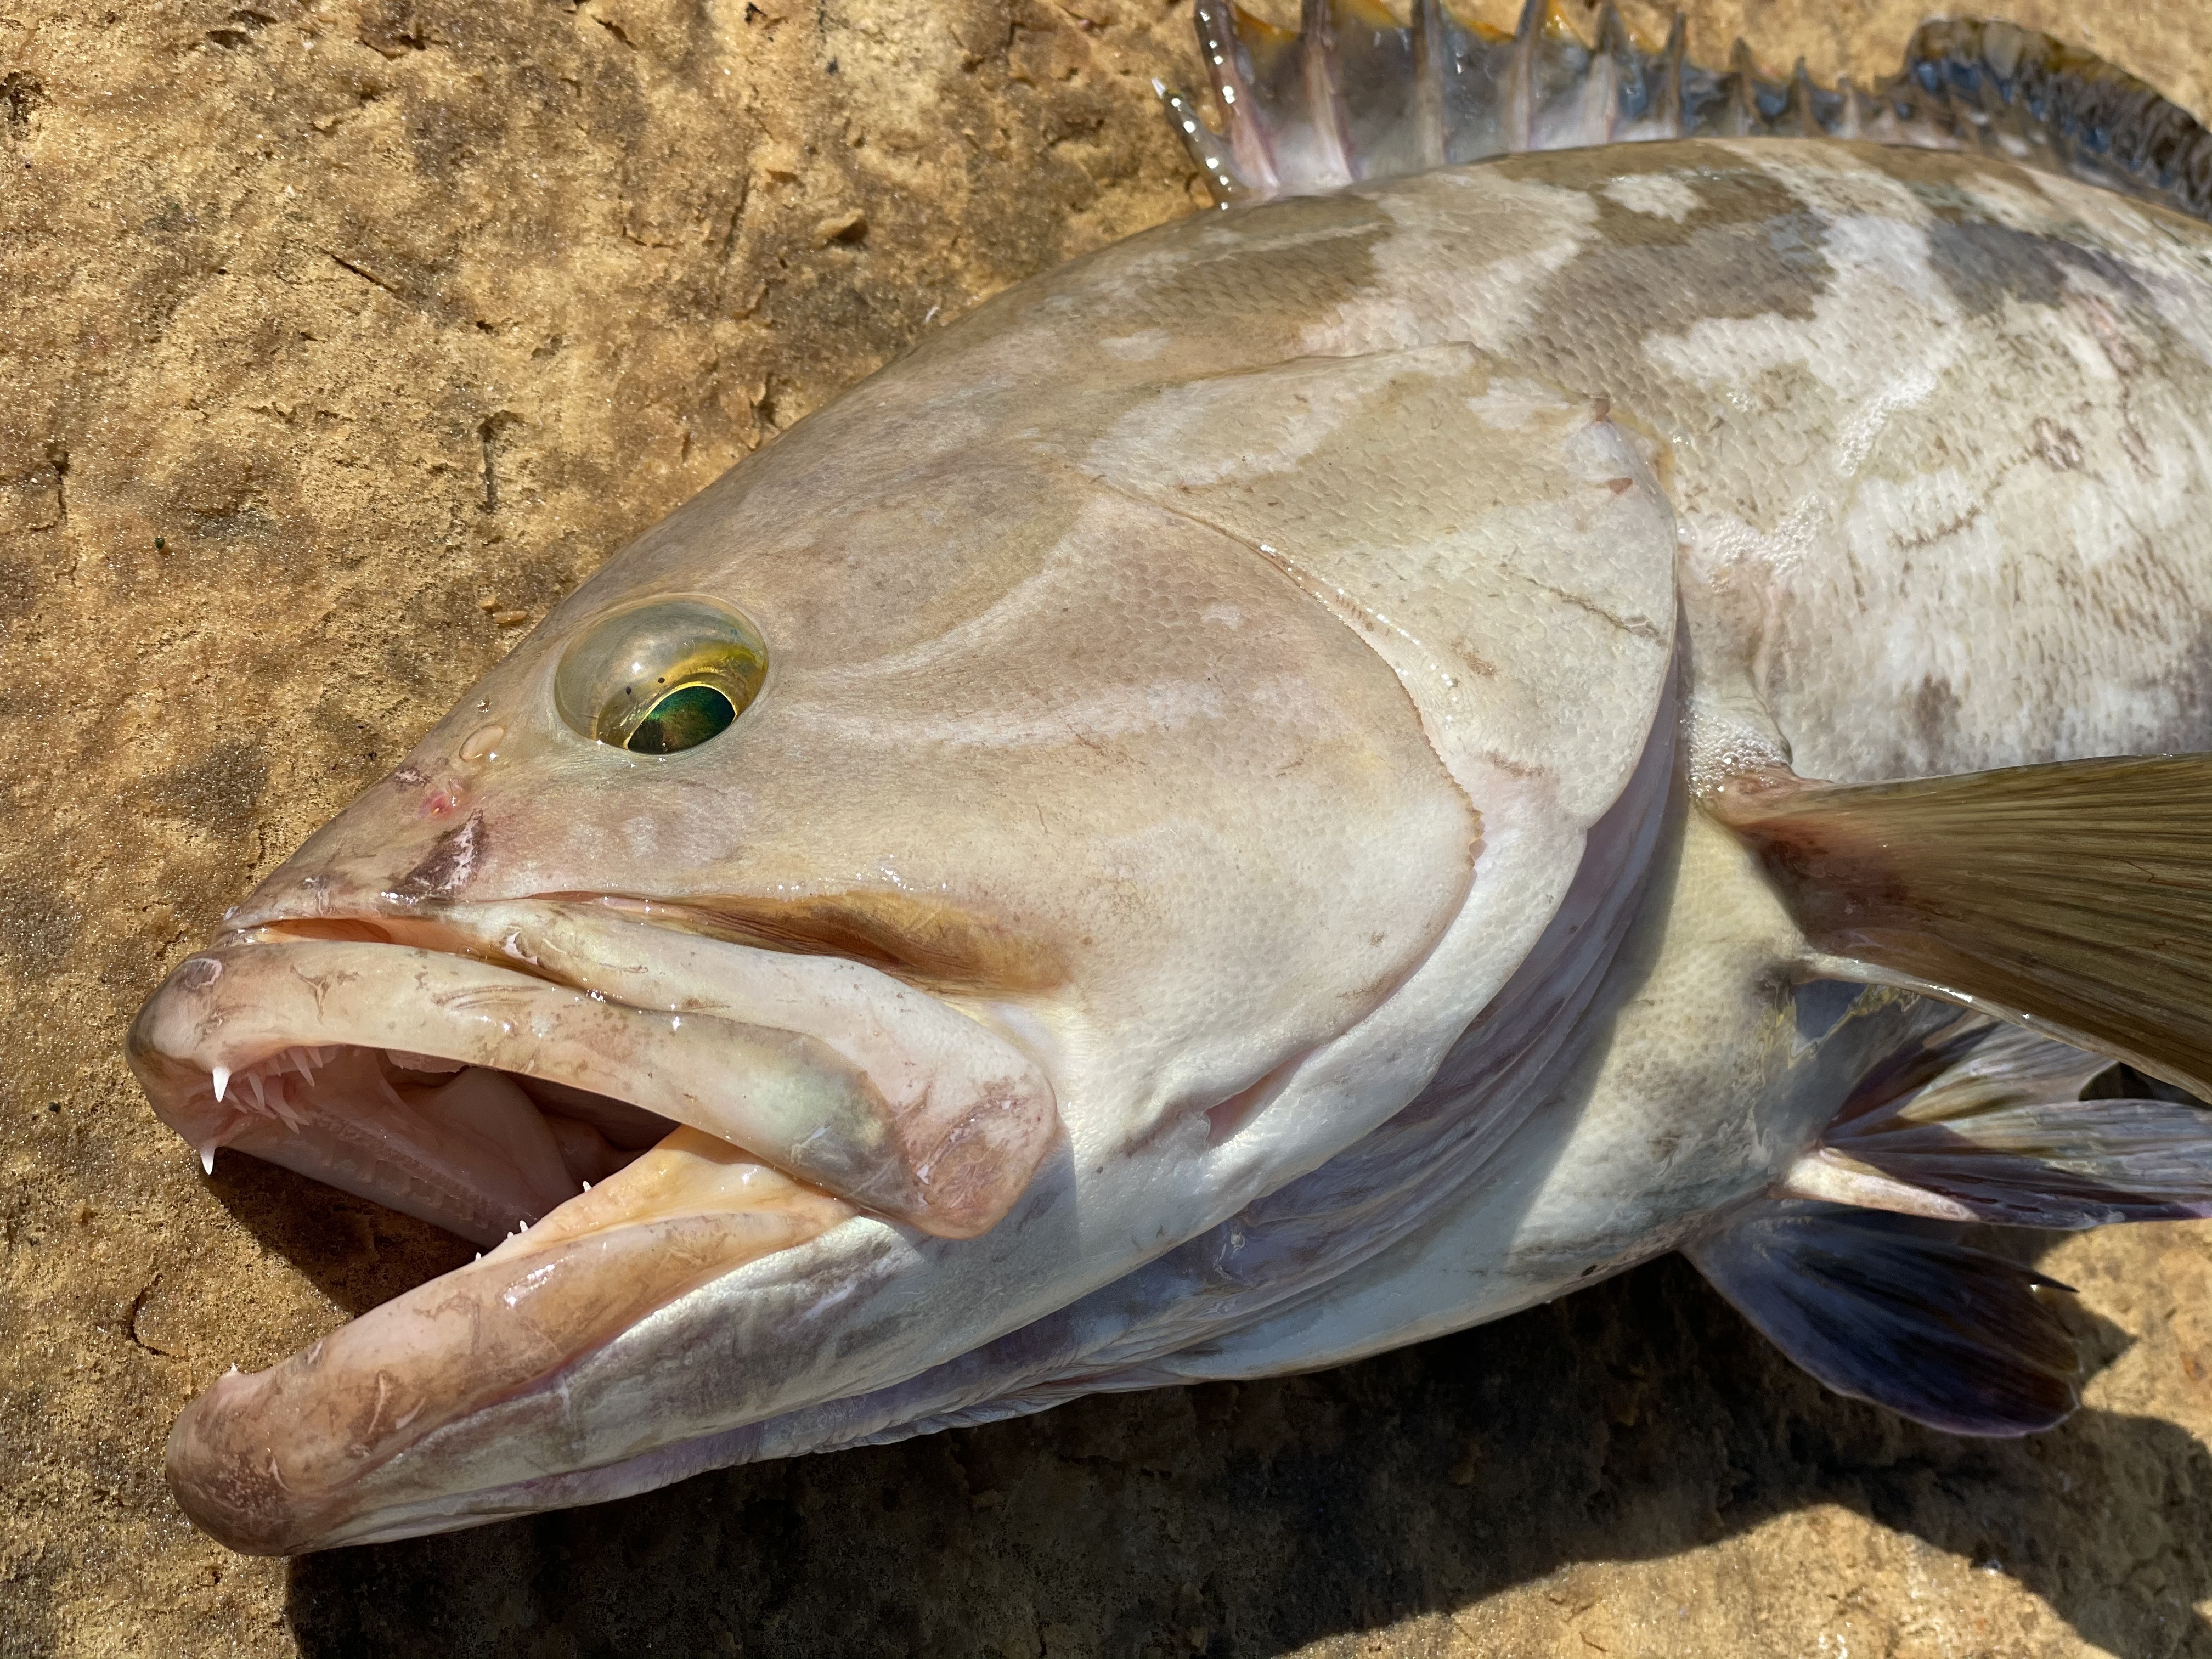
point(661, 676)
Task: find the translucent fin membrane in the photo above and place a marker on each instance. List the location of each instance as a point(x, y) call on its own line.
point(1999, 1134)
point(1896, 1310)
point(1354, 95)
point(1981, 1122)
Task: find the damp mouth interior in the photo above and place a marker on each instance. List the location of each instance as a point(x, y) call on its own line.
point(483, 1151)
point(480, 1151)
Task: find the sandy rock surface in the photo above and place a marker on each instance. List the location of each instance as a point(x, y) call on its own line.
point(338, 340)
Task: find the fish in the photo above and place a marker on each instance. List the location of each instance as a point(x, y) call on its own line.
point(1611, 658)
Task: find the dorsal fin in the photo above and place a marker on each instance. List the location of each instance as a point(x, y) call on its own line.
point(1355, 95)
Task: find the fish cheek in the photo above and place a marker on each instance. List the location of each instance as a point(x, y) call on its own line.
point(1155, 793)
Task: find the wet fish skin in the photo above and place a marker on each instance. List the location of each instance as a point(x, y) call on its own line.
point(1836, 404)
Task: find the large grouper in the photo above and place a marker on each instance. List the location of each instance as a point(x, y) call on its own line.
point(1613, 659)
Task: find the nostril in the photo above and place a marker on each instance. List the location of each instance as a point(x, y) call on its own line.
point(198, 974)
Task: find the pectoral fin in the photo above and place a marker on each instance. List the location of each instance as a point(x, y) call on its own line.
point(1894, 1309)
point(2074, 898)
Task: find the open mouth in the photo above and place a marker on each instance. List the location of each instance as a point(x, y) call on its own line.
point(622, 1110)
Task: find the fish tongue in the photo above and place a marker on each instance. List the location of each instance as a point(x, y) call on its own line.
point(278, 1462)
point(487, 1106)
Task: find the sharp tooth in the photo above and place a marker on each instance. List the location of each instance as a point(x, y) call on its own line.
point(260, 1098)
point(222, 1080)
point(281, 1103)
point(207, 1158)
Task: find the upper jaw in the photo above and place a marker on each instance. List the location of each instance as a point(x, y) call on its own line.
point(840, 1075)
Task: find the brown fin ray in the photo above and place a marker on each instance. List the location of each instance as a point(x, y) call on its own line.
point(2075, 898)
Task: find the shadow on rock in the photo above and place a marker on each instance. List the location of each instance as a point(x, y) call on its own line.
point(1634, 1421)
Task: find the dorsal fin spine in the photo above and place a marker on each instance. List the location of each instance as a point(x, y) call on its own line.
point(1627, 68)
point(1325, 112)
point(1447, 93)
point(1429, 48)
point(1519, 119)
point(1801, 118)
point(1599, 103)
point(1849, 104)
point(1235, 163)
point(1673, 57)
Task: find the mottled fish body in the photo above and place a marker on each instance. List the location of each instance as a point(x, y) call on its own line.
point(1244, 805)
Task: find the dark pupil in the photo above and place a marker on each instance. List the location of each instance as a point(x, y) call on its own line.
point(686, 717)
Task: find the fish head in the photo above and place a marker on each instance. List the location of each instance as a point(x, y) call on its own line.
point(1017, 827)
point(973, 847)
point(1095, 776)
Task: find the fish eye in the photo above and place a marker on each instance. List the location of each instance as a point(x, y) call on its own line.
point(660, 677)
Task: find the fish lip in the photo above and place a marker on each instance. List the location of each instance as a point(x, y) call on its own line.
point(882, 1094)
point(927, 940)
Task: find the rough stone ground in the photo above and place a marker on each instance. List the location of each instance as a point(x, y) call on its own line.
point(336, 340)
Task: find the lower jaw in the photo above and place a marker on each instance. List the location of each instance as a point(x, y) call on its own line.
point(276, 1461)
point(598, 1213)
